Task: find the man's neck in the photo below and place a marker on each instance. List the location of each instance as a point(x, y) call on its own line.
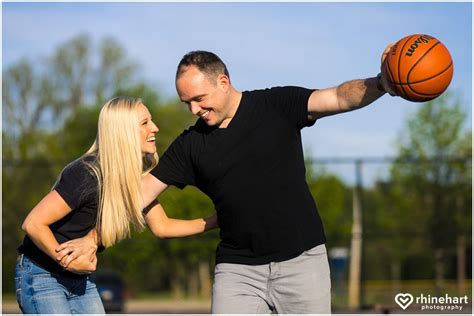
point(235, 98)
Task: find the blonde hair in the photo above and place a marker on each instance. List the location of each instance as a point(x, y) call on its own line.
point(119, 166)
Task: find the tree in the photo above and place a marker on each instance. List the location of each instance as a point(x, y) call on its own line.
point(434, 157)
point(52, 110)
point(41, 96)
point(38, 97)
point(333, 199)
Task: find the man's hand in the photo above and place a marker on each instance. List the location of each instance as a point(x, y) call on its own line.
point(384, 79)
point(69, 251)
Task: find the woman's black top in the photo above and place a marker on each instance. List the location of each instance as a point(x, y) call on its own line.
point(77, 185)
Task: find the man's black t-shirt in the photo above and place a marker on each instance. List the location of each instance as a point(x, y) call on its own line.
point(77, 185)
point(254, 172)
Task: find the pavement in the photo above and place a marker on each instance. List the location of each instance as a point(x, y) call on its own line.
point(143, 306)
point(160, 306)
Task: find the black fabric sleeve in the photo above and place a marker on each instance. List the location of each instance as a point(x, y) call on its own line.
point(175, 167)
point(292, 104)
point(147, 209)
point(76, 184)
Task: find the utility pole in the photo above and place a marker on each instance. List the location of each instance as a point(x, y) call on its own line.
point(356, 242)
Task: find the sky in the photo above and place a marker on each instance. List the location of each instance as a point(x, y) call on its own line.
point(314, 45)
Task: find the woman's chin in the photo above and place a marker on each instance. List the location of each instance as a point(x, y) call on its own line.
point(149, 151)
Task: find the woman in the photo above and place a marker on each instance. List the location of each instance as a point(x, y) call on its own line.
point(99, 192)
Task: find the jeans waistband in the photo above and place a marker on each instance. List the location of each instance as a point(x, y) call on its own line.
point(19, 259)
point(23, 260)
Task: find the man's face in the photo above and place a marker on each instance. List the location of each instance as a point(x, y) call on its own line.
point(205, 97)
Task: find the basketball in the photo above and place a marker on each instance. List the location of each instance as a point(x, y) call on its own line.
point(419, 67)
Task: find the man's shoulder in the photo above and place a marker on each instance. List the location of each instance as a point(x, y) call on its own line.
point(199, 127)
point(273, 90)
point(192, 134)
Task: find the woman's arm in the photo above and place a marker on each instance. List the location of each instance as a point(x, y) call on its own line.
point(36, 225)
point(83, 264)
point(84, 247)
point(164, 227)
point(157, 220)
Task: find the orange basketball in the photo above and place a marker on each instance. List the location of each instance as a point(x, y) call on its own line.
point(419, 67)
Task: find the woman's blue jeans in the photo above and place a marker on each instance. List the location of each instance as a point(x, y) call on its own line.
point(40, 292)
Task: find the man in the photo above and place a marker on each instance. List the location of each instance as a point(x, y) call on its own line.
point(245, 153)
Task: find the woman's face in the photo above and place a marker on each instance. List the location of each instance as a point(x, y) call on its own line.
point(148, 130)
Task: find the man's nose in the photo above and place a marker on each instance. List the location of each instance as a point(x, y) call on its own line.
point(194, 108)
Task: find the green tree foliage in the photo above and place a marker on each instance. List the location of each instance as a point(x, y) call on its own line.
point(50, 113)
point(37, 98)
point(430, 185)
point(334, 201)
point(50, 117)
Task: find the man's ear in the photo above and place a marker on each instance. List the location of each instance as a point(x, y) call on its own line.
point(223, 81)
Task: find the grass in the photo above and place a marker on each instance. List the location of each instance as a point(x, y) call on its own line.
point(377, 292)
point(8, 297)
point(382, 292)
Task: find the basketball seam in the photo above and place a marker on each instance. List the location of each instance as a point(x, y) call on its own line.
point(387, 67)
point(409, 84)
point(419, 59)
point(423, 94)
point(400, 58)
point(419, 81)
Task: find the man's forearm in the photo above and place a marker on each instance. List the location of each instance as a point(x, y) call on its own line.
point(358, 93)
